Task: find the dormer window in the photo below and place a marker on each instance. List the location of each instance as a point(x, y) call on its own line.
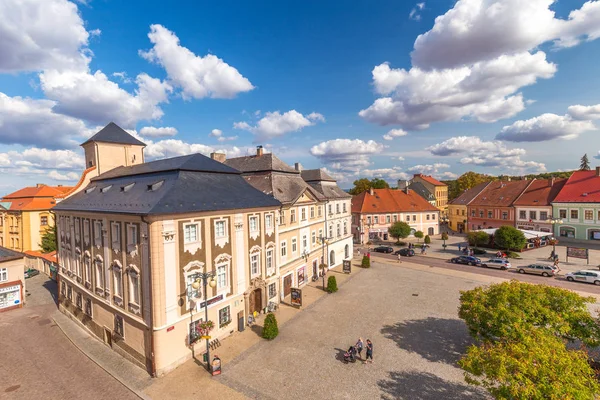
point(105, 189)
point(127, 188)
point(155, 186)
point(90, 190)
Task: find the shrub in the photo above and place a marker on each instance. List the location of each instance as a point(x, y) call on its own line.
point(270, 330)
point(400, 243)
point(478, 238)
point(332, 285)
point(366, 263)
point(478, 251)
point(427, 239)
point(512, 254)
point(419, 235)
point(399, 230)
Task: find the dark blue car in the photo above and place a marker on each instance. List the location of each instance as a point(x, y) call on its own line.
point(468, 260)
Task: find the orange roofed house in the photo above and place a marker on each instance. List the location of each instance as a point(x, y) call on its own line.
point(493, 207)
point(373, 212)
point(25, 216)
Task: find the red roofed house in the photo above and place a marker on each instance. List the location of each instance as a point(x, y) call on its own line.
point(438, 189)
point(577, 205)
point(533, 208)
point(373, 212)
point(25, 216)
point(493, 207)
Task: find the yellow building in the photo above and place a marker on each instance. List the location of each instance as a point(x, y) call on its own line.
point(25, 216)
point(437, 188)
point(457, 208)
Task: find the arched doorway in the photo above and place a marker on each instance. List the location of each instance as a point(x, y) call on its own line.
point(331, 258)
point(255, 301)
point(430, 231)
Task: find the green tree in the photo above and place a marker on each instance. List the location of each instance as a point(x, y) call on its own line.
point(399, 230)
point(509, 238)
point(377, 183)
point(502, 310)
point(366, 262)
point(427, 239)
point(467, 181)
point(419, 235)
point(270, 329)
point(585, 163)
point(360, 185)
point(444, 238)
point(478, 238)
point(49, 240)
point(537, 366)
point(332, 284)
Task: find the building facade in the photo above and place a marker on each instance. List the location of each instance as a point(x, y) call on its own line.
point(577, 206)
point(493, 207)
point(437, 192)
point(458, 215)
point(374, 212)
point(12, 279)
point(533, 208)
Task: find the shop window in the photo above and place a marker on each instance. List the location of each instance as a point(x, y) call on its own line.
point(224, 316)
point(272, 290)
point(332, 258)
point(193, 332)
point(119, 325)
point(300, 276)
point(346, 251)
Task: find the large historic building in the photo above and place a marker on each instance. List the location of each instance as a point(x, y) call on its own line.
point(458, 216)
point(374, 211)
point(430, 189)
point(533, 208)
point(493, 207)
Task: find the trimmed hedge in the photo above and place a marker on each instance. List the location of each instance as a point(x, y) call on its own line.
point(270, 330)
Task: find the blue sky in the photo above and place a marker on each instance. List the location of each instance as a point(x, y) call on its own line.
point(492, 86)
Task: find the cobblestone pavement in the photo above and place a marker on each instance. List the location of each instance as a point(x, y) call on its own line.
point(39, 362)
point(410, 316)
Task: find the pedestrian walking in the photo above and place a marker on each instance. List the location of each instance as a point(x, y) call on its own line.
point(423, 249)
point(459, 247)
point(556, 262)
point(359, 347)
point(399, 258)
point(369, 358)
point(358, 252)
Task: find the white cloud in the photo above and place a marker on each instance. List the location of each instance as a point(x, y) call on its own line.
point(393, 133)
point(415, 12)
point(41, 34)
point(172, 148)
point(486, 154)
point(428, 169)
point(475, 60)
point(544, 127)
point(151, 131)
point(392, 174)
point(38, 163)
point(580, 112)
point(347, 156)
point(122, 76)
point(34, 122)
point(275, 124)
point(197, 76)
point(69, 176)
point(217, 133)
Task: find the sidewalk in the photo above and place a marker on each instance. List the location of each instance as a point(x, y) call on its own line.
point(132, 377)
point(191, 380)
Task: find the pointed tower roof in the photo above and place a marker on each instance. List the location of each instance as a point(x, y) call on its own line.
point(113, 133)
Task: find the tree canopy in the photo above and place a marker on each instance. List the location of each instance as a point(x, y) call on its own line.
point(363, 185)
point(419, 235)
point(509, 238)
point(585, 163)
point(49, 240)
point(399, 230)
point(478, 238)
point(467, 181)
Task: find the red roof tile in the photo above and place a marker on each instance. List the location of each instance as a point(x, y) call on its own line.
point(431, 179)
point(390, 200)
point(42, 191)
point(581, 187)
point(468, 195)
point(31, 204)
point(500, 193)
point(46, 256)
point(541, 192)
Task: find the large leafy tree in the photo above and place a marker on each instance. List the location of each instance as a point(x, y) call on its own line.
point(467, 181)
point(49, 240)
point(363, 185)
point(377, 183)
point(509, 238)
point(478, 238)
point(585, 163)
point(399, 230)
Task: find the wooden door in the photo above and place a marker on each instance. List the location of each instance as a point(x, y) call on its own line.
point(287, 285)
point(255, 300)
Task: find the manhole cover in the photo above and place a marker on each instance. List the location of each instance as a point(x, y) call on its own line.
point(12, 388)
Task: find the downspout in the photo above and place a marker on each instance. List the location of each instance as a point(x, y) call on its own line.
point(151, 327)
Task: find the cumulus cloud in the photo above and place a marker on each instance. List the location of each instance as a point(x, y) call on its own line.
point(428, 169)
point(69, 176)
point(394, 133)
point(172, 148)
point(41, 34)
point(475, 151)
point(275, 124)
point(415, 13)
point(392, 174)
point(348, 156)
point(197, 76)
point(151, 131)
point(474, 61)
point(580, 112)
point(217, 133)
point(58, 165)
point(544, 127)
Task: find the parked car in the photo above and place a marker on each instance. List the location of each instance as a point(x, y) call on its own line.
point(539, 269)
point(405, 252)
point(384, 249)
point(31, 272)
point(469, 260)
point(501, 263)
point(584, 276)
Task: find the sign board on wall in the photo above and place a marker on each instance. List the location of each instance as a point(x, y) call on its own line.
point(10, 296)
point(296, 297)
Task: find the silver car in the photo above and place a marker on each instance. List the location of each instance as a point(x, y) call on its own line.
point(539, 269)
point(584, 276)
point(501, 263)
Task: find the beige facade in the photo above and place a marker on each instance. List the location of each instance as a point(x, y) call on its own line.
point(12, 279)
point(439, 190)
point(107, 156)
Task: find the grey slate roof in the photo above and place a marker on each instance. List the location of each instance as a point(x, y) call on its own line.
point(422, 191)
point(192, 162)
point(7, 254)
point(266, 162)
point(330, 190)
point(314, 175)
point(113, 133)
point(193, 183)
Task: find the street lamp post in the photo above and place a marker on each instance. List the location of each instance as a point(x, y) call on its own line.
point(554, 221)
point(208, 279)
point(324, 240)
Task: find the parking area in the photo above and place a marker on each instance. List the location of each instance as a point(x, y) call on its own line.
point(411, 317)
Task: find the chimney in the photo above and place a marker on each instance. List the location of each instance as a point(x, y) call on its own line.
point(371, 191)
point(406, 189)
point(259, 151)
point(403, 184)
point(597, 171)
point(298, 167)
point(220, 157)
point(551, 181)
point(39, 185)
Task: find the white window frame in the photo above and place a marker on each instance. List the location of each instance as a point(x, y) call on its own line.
point(313, 237)
point(571, 213)
point(3, 274)
point(221, 240)
point(346, 227)
point(87, 264)
point(221, 323)
point(270, 260)
point(268, 221)
point(117, 280)
point(255, 269)
point(115, 235)
point(187, 236)
point(132, 241)
point(339, 230)
point(98, 233)
point(283, 247)
point(305, 247)
point(294, 245)
point(344, 207)
point(99, 272)
point(292, 216)
point(303, 213)
point(133, 275)
point(312, 212)
point(586, 210)
point(253, 224)
point(272, 285)
point(222, 274)
point(566, 213)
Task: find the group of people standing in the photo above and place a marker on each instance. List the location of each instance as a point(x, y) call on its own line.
point(358, 348)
